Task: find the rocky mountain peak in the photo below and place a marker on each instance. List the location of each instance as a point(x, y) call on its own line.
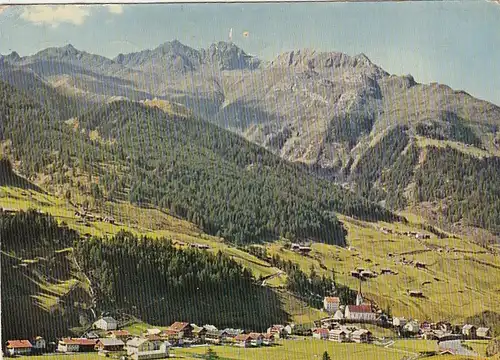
point(228, 56)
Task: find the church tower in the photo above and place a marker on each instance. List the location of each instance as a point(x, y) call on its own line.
point(359, 297)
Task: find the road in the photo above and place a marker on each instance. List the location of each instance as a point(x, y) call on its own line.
point(456, 347)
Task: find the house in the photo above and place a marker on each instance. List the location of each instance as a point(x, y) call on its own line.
point(198, 332)
point(469, 331)
point(415, 293)
point(256, 339)
point(213, 336)
point(230, 333)
point(339, 315)
point(19, 347)
point(321, 333)
point(360, 313)
point(442, 326)
point(339, 335)
point(39, 345)
point(91, 335)
point(277, 330)
point(420, 265)
point(210, 327)
point(411, 327)
point(184, 329)
point(243, 340)
point(361, 336)
point(399, 321)
point(118, 334)
point(145, 349)
point(153, 331)
point(304, 250)
point(109, 344)
point(331, 304)
point(76, 345)
point(483, 332)
point(106, 323)
point(268, 339)
point(289, 329)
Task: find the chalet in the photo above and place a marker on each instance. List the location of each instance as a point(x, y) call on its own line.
point(361, 336)
point(295, 247)
point(368, 274)
point(339, 335)
point(109, 220)
point(355, 274)
point(230, 333)
point(268, 339)
point(289, 329)
point(91, 335)
point(256, 339)
point(39, 345)
point(199, 332)
point(442, 326)
point(109, 344)
point(483, 332)
point(184, 329)
point(19, 347)
point(66, 345)
point(145, 349)
point(210, 327)
point(386, 271)
point(118, 334)
point(420, 265)
point(360, 313)
point(106, 323)
point(469, 331)
point(321, 333)
point(243, 340)
point(331, 304)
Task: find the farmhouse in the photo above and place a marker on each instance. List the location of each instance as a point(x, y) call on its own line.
point(109, 344)
point(18, 347)
point(331, 304)
point(360, 313)
point(483, 332)
point(361, 336)
point(145, 349)
point(277, 330)
point(213, 336)
point(412, 327)
point(339, 335)
point(399, 321)
point(199, 332)
point(76, 345)
point(415, 293)
point(469, 331)
point(321, 333)
point(106, 323)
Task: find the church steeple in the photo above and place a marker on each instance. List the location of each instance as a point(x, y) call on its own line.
point(359, 297)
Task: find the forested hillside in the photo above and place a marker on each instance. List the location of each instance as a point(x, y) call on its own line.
point(160, 284)
point(214, 178)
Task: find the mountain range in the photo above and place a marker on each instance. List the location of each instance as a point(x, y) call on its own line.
point(407, 146)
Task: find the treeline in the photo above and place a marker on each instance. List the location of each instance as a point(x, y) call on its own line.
point(216, 179)
point(469, 185)
point(155, 281)
point(311, 287)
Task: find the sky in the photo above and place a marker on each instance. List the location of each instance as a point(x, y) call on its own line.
point(451, 42)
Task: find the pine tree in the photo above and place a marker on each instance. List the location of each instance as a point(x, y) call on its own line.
point(326, 356)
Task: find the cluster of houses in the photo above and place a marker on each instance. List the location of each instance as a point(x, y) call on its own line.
point(85, 216)
point(182, 244)
point(335, 327)
point(105, 338)
point(414, 234)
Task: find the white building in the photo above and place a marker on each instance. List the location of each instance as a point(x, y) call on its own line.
point(339, 315)
point(331, 304)
point(145, 349)
point(106, 323)
point(360, 313)
point(399, 321)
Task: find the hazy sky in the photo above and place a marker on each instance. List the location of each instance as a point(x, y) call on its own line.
point(452, 42)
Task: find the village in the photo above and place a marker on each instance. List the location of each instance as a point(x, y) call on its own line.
point(345, 323)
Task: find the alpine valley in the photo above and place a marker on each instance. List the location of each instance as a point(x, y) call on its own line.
point(113, 170)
